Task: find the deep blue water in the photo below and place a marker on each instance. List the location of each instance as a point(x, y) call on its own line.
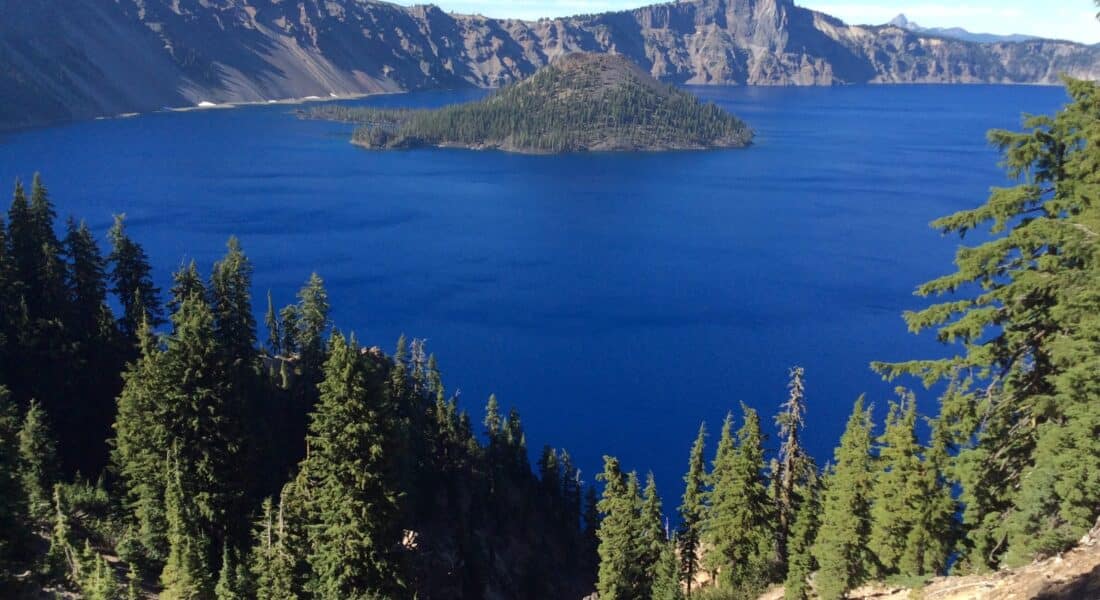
point(617, 300)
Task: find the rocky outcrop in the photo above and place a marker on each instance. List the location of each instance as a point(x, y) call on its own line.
point(71, 60)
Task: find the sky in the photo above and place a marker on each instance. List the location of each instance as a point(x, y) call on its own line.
point(1065, 19)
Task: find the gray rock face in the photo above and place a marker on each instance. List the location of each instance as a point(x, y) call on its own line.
point(70, 59)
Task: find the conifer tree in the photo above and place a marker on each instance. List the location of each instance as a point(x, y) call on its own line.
point(794, 469)
point(186, 572)
point(550, 474)
point(22, 238)
point(231, 302)
point(132, 280)
point(931, 539)
point(12, 498)
point(570, 489)
point(1022, 306)
point(693, 510)
point(186, 282)
point(229, 586)
point(654, 539)
point(897, 497)
point(620, 575)
point(841, 546)
point(738, 527)
point(800, 542)
point(88, 284)
point(666, 581)
point(38, 462)
point(141, 434)
point(274, 334)
point(356, 503)
point(202, 423)
point(312, 324)
point(59, 560)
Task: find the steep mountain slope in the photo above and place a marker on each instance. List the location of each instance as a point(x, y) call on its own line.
point(77, 60)
point(580, 102)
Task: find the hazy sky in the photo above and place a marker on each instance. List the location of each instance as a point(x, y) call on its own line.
point(1069, 19)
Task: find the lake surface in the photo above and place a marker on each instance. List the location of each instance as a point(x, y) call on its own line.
point(616, 300)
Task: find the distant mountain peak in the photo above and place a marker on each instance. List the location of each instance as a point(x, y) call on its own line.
point(956, 33)
point(900, 21)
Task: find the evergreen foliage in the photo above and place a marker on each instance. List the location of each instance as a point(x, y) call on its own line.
point(355, 497)
point(582, 102)
point(1023, 309)
point(800, 559)
point(693, 511)
point(841, 549)
point(739, 528)
point(38, 462)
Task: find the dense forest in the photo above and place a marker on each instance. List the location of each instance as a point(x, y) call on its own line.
point(152, 443)
point(581, 102)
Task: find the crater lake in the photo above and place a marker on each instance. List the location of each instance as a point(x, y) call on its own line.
point(616, 300)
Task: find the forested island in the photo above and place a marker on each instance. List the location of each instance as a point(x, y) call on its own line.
point(582, 102)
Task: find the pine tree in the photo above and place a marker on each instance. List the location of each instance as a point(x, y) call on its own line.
point(58, 562)
point(693, 511)
point(231, 302)
point(800, 542)
point(132, 281)
point(88, 285)
point(794, 469)
point(654, 540)
point(274, 333)
point(897, 498)
point(931, 539)
point(355, 499)
point(666, 581)
point(13, 508)
point(186, 282)
point(738, 527)
point(312, 324)
point(141, 434)
point(38, 462)
point(620, 573)
point(185, 575)
point(841, 545)
point(204, 422)
point(570, 489)
point(228, 587)
point(1023, 306)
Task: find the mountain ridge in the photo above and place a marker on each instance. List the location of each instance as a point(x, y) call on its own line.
point(109, 57)
point(960, 33)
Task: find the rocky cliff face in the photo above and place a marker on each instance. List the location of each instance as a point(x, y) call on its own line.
point(70, 60)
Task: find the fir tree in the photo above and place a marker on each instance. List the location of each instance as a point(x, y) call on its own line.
point(800, 542)
point(1023, 307)
point(620, 575)
point(229, 586)
point(353, 492)
point(231, 302)
point(693, 511)
point(38, 462)
point(794, 469)
point(58, 563)
point(12, 499)
point(186, 282)
point(312, 324)
point(841, 545)
point(897, 497)
point(141, 434)
point(274, 334)
point(739, 522)
point(186, 572)
point(132, 281)
point(666, 580)
point(654, 540)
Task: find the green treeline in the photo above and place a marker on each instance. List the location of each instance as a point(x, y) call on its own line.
point(1011, 468)
point(158, 447)
point(593, 103)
